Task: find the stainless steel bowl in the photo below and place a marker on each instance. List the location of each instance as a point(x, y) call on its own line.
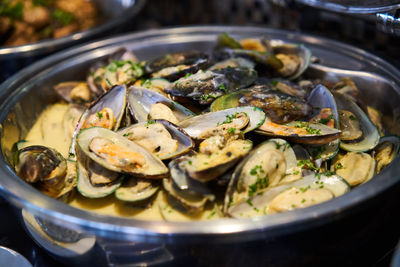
point(117, 13)
point(24, 96)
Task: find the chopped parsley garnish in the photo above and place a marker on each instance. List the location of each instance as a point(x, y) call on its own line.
point(229, 119)
point(274, 83)
point(190, 162)
point(249, 202)
point(306, 164)
point(12, 11)
point(303, 200)
point(277, 145)
point(172, 107)
point(328, 173)
point(261, 182)
point(206, 97)
point(127, 134)
point(99, 115)
point(231, 130)
point(63, 17)
point(187, 75)
point(222, 87)
point(150, 122)
point(307, 127)
point(325, 121)
point(304, 189)
point(351, 117)
point(211, 215)
point(339, 166)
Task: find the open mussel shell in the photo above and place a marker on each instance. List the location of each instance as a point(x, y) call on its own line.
point(71, 118)
point(45, 167)
point(321, 98)
point(140, 101)
point(160, 139)
point(206, 167)
point(70, 182)
point(370, 134)
point(196, 126)
point(300, 132)
point(279, 107)
point(119, 154)
point(235, 62)
point(74, 91)
point(114, 100)
point(87, 189)
point(136, 190)
point(260, 204)
point(174, 65)
point(182, 181)
point(173, 211)
point(264, 166)
point(355, 167)
point(191, 202)
point(121, 67)
point(386, 151)
point(301, 54)
point(205, 86)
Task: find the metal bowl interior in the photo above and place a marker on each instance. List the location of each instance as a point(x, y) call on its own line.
point(25, 95)
point(115, 12)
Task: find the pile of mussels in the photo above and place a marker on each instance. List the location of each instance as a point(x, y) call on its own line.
point(240, 129)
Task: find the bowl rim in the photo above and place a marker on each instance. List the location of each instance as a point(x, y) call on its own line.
point(25, 196)
point(53, 44)
point(349, 7)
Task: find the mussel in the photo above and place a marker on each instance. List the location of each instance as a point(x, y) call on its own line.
point(43, 166)
point(205, 86)
point(117, 153)
point(120, 68)
point(161, 137)
point(279, 107)
point(144, 103)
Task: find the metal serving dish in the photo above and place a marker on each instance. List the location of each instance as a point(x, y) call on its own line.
point(117, 13)
point(280, 239)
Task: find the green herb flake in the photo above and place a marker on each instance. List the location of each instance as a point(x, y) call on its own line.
point(12, 11)
point(99, 115)
point(127, 134)
point(303, 200)
point(325, 121)
point(222, 87)
point(231, 131)
point(211, 215)
point(307, 164)
point(274, 83)
point(150, 122)
point(64, 17)
point(339, 166)
point(304, 189)
point(187, 75)
point(351, 117)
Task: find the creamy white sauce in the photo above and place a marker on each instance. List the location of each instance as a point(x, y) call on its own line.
point(49, 131)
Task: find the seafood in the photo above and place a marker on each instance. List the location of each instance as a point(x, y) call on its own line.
point(263, 137)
